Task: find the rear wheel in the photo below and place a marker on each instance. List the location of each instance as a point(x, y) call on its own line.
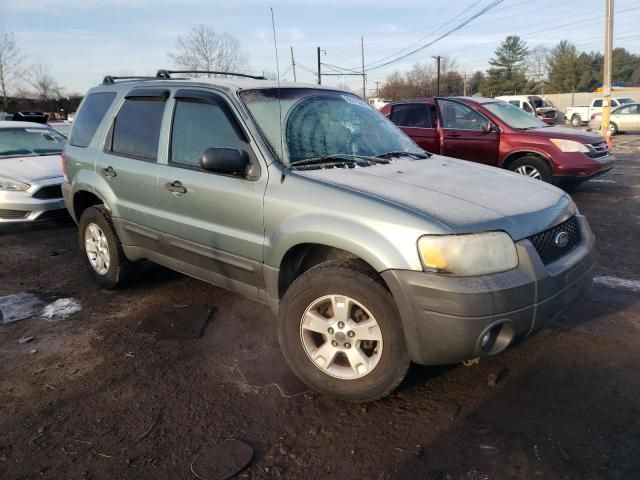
point(532, 167)
point(340, 333)
point(101, 248)
point(613, 129)
point(576, 120)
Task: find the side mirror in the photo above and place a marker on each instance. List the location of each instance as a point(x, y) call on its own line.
point(227, 161)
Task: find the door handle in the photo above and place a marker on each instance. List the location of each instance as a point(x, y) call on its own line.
point(109, 172)
point(176, 188)
point(454, 135)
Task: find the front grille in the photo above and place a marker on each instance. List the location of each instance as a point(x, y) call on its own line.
point(597, 150)
point(13, 214)
point(48, 192)
point(546, 245)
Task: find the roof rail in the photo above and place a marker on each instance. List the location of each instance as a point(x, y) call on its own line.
point(112, 79)
point(166, 74)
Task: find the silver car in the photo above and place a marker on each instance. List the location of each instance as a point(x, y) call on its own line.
point(30, 172)
point(623, 119)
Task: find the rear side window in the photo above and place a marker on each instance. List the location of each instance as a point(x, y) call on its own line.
point(136, 128)
point(89, 117)
point(198, 126)
point(411, 115)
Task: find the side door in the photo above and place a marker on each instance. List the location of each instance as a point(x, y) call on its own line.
point(418, 122)
point(213, 222)
point(626, 118)
point(129, 166)
point(465, 134)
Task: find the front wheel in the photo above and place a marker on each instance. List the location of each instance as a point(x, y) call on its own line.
point(532, 167)
point(340, 332)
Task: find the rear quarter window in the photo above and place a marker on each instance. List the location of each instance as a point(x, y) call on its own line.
point(89, 117)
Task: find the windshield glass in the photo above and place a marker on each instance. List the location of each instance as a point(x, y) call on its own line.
point(624, 101)
point(320, 123)
point(514, 116)
point(30, 141)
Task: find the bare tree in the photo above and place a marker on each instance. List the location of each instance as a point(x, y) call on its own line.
point(10, 65)
point(538, 63)
point(43, 83)
point(204, 49)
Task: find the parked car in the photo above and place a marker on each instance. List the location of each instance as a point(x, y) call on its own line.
point(371, 252)
point(581, 115)
point(4, 116)
point(623, 119)
point(535, 105)
point(497, 133)
point(35, 117)
point(30, 172)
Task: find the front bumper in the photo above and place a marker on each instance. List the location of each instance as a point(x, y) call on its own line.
point(22, 207)
point(445, 318)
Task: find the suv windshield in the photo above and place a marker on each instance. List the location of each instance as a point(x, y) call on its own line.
point(30, 142)
point(514, 116)
point(323, 123)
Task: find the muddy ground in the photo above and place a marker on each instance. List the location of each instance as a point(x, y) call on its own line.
point(141, 381)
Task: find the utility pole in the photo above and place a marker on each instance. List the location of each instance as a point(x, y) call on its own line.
point(608, 57)
point(293, 65)
point(437, 59)
point(364, 75)
point(464, 85)
point(319, 72)
point(377, 89)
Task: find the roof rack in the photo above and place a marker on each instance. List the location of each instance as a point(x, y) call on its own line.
point(166, 74)
point(112, 79)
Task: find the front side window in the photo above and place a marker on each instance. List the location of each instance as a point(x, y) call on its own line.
point(317, 123)
point(89, 117)
point(26, 142)
point(198, 126)
point(598, 103)
point(411, 115)
point(461, 117)
point(136, 128)
point(527, 108)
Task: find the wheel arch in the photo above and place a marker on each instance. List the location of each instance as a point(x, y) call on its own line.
point(518, 154)
point(83, 199)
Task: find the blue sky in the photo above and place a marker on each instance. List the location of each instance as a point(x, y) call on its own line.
point(82, 40)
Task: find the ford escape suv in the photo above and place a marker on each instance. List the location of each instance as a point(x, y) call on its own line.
point(371, 252)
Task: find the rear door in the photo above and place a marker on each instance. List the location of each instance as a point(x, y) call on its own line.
point(215, 222)
point(418, 121)
point(128, 165)
point(463, 133)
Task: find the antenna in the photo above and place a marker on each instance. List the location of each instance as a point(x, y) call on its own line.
point(275, 47)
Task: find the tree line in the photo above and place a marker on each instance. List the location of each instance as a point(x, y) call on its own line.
point(517, 69)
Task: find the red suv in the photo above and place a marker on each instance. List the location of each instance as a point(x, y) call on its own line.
point(494, 132)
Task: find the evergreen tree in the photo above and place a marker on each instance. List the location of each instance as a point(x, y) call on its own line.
point(508, 67)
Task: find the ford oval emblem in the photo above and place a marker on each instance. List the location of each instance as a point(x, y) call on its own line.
point(561, 240)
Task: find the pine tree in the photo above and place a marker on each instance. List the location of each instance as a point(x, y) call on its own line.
point(508, 67)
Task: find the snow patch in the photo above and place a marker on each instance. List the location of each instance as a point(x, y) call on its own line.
point(19, 306)
point(61, 308)
point(618, 283)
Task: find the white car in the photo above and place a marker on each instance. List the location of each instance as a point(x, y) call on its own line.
point(580, 115)
point(30, 172)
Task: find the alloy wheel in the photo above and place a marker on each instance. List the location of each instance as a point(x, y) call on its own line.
point(529, 171)
point(97, 248)
point(341, 337)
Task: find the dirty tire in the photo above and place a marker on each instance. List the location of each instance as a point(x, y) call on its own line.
point(119, 267)
point(576, 120)
point(357, 281)
point(533, 162)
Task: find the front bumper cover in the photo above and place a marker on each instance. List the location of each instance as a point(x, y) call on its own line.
point(444, 318)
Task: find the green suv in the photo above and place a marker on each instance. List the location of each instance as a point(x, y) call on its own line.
point(371, 252)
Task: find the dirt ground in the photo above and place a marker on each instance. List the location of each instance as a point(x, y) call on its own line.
point(140, 381)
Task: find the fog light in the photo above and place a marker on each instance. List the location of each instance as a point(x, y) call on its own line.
point(485, 340)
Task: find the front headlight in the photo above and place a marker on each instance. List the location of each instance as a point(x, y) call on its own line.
point(569, 145)
point(13, 185)
point(468, 255)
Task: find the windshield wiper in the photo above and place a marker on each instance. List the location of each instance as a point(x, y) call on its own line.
point(336, 159)
point(403, 154)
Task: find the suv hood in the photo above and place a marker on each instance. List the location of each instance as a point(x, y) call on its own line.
point(29, 169)
point(566, 133)
point(465, 197)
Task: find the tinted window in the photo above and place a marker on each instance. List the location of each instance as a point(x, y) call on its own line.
point(461, 117)
point(136, 128)
point(411, 115)
point(198, 126)
point(89, 117)
point(598, 103)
